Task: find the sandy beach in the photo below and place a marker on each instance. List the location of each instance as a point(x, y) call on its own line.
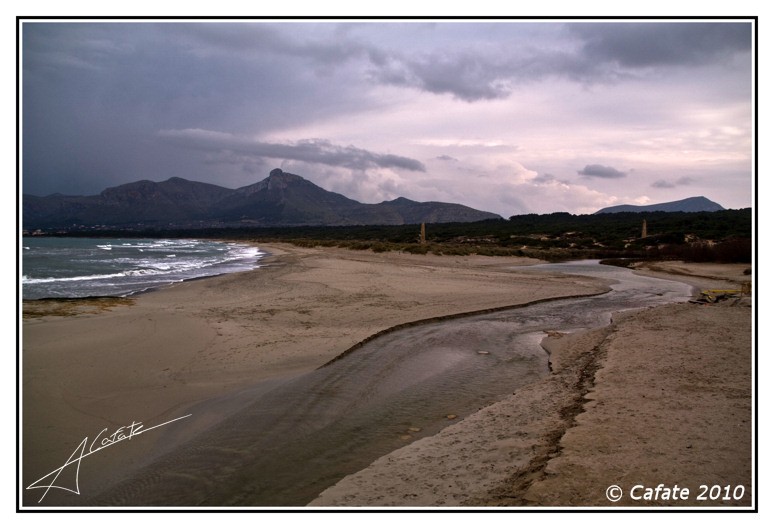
point(97, 366)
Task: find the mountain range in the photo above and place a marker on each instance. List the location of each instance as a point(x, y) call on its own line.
point(282, 199)
point(687, 205)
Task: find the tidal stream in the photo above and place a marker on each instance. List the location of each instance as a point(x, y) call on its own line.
point(291, 440)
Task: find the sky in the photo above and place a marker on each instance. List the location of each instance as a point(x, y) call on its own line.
point(511, 116)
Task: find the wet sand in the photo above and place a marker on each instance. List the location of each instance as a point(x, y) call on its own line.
point(661, 396)
point(87, 374)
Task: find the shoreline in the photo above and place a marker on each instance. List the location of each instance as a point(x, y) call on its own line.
point(133, 294)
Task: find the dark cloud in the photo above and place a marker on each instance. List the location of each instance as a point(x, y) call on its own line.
point(662, 44)
point(601, 171)
point(95, 95)
point(213, 76)
point(466, 76)
point(669, 184)
point(229, 148)
point(321, 43)
point(607, 53)
point(447, 158)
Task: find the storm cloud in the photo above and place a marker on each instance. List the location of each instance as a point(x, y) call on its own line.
point(235, 149)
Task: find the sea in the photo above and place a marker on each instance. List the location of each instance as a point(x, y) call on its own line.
point(59, 267)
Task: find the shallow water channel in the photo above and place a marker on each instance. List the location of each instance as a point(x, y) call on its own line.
point(296, 438)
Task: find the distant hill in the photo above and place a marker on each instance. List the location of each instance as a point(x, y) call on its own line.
point(688, 205)
point(282, 199)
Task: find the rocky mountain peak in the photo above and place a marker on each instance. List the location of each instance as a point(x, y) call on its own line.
point(279, 179)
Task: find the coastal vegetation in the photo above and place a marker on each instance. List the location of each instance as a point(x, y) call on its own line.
point(721, 236)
